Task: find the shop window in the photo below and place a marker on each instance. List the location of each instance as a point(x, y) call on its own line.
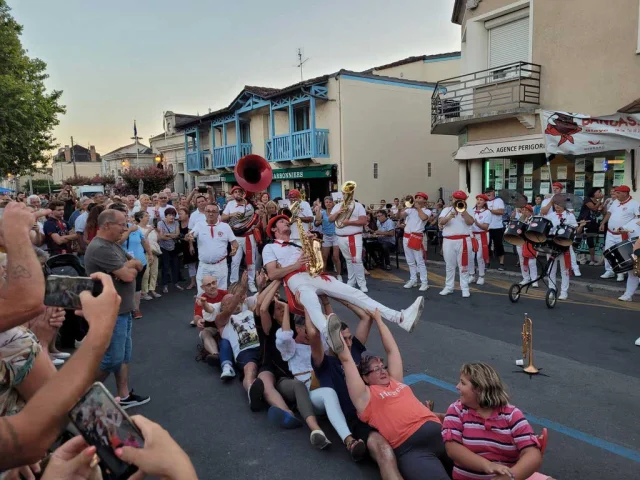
point(429, 169)
point(301, 119)
point(375, 170)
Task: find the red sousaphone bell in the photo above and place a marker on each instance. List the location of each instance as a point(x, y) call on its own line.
point(253, 173)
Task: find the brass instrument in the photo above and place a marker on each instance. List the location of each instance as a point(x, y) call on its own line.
point(310, 248)
point(244, 222)
point(527, 345)
point(348, 203)
point(636, 262)
point(409, 201)
point(460, 206)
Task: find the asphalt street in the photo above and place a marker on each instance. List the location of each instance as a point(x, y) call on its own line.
point(586, 397)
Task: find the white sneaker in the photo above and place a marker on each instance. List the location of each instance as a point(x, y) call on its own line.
point(339, 278)
point(534, 284)
point(480, 281)
point(57, 362)
point(472, 279)
point(252, 288)
point(638, 342)
point(524, 281)
point(424, 287)
point(563, 296)
point(61, 355)
point(364, 289)
point(227, 372)
point(446, 291)
point(411, 315)
point(625, 298)
point(410, 284)
point(620, 277)
point(577, 272)
point(466, 294)
point(319, 440)
point(608, 275)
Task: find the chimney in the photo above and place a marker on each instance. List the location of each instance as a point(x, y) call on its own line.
point(67, 153)
point(92, 152)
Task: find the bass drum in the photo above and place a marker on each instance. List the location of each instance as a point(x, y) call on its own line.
point(620, 256)
point(538, 229)
point(514, 234)
point(564, 235)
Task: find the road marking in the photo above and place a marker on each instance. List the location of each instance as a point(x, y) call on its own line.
point(544, 422)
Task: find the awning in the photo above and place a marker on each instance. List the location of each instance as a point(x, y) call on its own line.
point(298, 173)
point(501, 147)
point(6, 190)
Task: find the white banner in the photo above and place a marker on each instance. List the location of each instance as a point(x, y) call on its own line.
point(575, 134)
point(501, 148)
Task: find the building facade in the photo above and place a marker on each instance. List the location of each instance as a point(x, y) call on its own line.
point(87, 163)
point(134, 155)
point(369, 126)
point(521, 57)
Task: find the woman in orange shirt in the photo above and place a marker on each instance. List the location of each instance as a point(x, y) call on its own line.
point(388, 405)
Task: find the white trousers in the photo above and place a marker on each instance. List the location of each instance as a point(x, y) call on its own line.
point(355, 268)
point(564, 274)
point(325, 401)
point(528, 266)
point(632, 284)
point(610, 241)
point(452, 252)
point(310, 287)
point(217, 270)
point(237, 258)
point(415, 260)
point(476, 256)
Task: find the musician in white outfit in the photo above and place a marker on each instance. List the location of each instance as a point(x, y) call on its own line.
point(415, 219)
point(621, 212)
point(526, 254)
point(480, 231)
point(558, 217)
point(235, 209)
point(350, 242)
point(456, 244)
point(286, 261)
point(305, 214)
point(632, 229)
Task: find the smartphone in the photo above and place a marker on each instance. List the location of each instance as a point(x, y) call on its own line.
point(63, 291)
point(104, 424)
point(202, 189)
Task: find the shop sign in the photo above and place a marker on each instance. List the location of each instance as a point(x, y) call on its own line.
point(302, 173)
point(209, 178)
point(575, 134)
point(500, 149)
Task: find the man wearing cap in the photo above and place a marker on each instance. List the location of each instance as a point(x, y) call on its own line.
point(456, 244)
point(560, 216)
point(496, 227)
point(620, 213)
point(285, 261)
point(526, 253)
point(238, 207)
point(632, 229)
point(350, 242)
point(306, 215)
point(416, 219)
point(480, 231)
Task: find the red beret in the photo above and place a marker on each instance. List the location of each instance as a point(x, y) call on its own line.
point(294, 192)
point(237, 187)
point(423, 195)
point(623, 189)
point(459, 195)
point(272, 223)
point(483, 197)
point(528, 207)
point(557, 184)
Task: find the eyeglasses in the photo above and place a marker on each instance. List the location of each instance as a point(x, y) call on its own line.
point(378, 369)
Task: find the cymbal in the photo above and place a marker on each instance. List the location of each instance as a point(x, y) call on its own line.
point(568, 200)
point(513, 198)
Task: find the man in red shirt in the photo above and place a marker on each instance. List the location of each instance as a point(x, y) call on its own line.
point(211, 295)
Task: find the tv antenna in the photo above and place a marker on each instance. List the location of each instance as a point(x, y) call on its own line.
point(301, 62)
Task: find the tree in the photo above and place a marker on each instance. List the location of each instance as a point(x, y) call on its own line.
point(27, 112)
point(43, 186)
point(155, 179)
point(79, 180)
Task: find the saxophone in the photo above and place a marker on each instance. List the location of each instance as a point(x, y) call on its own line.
point(310, 248)
point(348, 204)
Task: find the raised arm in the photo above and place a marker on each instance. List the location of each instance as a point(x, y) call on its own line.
point(227, 308)
point(264, 300)
point(364, 325)
point(394, 359)
point(358, 390)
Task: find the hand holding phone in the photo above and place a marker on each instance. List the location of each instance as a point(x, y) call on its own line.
point(64, 291)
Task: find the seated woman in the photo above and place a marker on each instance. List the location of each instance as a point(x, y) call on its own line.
point(484, 435)
point(388, 405)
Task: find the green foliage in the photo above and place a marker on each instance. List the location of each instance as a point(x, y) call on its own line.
point(42, 186)
point(155, 179)
point(27, 112)
point(79, 180)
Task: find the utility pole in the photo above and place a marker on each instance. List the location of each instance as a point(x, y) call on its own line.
point(73, 160)
point(301, 63)
point(135, 138)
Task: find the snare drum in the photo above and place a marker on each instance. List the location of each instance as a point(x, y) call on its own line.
point(619, 256)
point(564, 235)
point(538, 229)
point(514, 234)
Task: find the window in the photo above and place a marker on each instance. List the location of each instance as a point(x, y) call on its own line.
point(508, 43)
point(375, 170)
point(245, 136)
point(301, 119)
point(429, 169)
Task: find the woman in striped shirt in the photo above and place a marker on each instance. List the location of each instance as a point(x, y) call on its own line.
point(484, 435)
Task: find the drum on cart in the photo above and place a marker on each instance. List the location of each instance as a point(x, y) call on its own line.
point(538, 229)
point(564, 235)
point(514, 234)
point(620, 256)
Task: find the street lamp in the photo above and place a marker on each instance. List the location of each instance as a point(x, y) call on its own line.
point(158, 158)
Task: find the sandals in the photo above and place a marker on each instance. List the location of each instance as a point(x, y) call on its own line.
point(357, 449)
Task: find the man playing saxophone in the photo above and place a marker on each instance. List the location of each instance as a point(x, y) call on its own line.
point(305, 215)
point(350, 218)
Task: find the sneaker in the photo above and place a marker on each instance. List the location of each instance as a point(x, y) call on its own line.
point(179, 287)
point(638, 342)
point(410, 284)
point(319, 440)
point(524, 281)
point(625, 298)
point(411, 315)
point(501, 268)
point(155, 294)
point(577, 273)
point(424, 287)
point(252, 288)
point(472, 279)
point(364, 289)
point(466, 294)
point(334, 334)
point(146, 296)
point(255, 393)
point(608, 275)
point(283, 419)
point(193, 323)
point(480, 281)
point(534, 284)
point(133, 400)
point(227, 372)
point(620, 277)
point(387, 267)
point(357, 449)
point(137, 314)
point(563, 296)
point(165, 289)
point(446, 291)
point(592, 264)
point(57, 362)
point(60, 355)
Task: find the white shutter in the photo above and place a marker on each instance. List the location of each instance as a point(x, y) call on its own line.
point(509, 43)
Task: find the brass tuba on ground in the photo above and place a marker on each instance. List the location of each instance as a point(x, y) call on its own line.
point(348, 203)
point(310, 248)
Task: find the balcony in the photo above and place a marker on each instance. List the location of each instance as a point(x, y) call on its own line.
point(197, 161)
point(298, 145)
point(493, 94)
point(227, 156)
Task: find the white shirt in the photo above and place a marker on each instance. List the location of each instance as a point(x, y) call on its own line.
point(241, 332)
point(152, 212)
point(233, 207)
point(358, 211)
point(633, 227)
point(481, 216)
point(413, 223)
point(305, 211)
point(197, 217)
point(285, 255)
point(622, 213)
point(212, 248)
point(496, 220)
point(81, 222)
point(298, 355)
point(568, 217)
point(455, 226)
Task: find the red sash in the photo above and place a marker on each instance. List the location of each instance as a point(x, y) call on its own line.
point(248, 248)
point(352, 245)
point(484, 241)
point(415, 240)
point(567, 260)
point(528, 251)
point(295, 308)
point(624, 235)
point(465, 248)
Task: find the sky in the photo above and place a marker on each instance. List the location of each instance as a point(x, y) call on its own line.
point(121, 60)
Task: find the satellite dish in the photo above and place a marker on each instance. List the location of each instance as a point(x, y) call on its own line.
point(513, 198)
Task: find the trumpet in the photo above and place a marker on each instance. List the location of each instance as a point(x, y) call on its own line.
point(527, 345)
point(460, 206)
point(409, 201)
